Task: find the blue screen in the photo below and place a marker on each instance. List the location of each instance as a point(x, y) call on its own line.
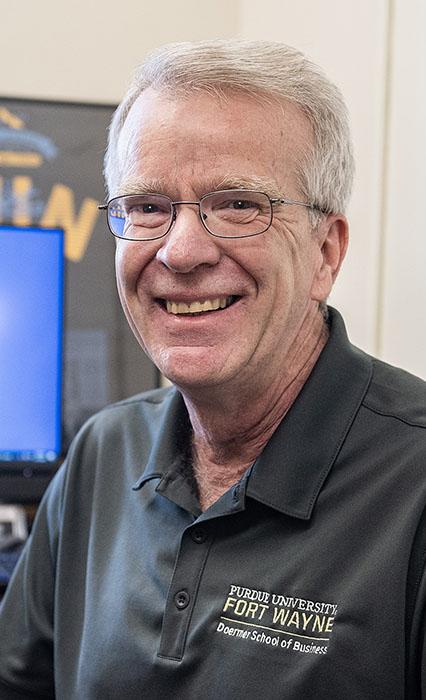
point(31, 310)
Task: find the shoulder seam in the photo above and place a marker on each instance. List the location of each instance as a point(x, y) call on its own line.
point(388, 414)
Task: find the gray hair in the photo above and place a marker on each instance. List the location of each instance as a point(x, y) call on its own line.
point(268, 71)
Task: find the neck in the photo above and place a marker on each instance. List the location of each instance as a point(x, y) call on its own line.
point(231, 427)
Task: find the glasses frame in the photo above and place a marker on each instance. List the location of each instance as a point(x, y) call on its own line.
point(272, 202)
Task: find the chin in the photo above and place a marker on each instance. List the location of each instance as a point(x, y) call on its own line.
point(191, 368)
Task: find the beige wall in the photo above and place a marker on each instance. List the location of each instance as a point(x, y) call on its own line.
point(329, 32)
point(374, 49)
point(87, 49)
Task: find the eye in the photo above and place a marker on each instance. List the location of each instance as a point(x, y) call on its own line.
point(141, 207)
point(234, 203)
point(242, 204)
point(146, 211)
point(239, 207)
point(149, 208)
point(231, 204)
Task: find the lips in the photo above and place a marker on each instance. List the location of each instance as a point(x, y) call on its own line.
point(198, 306)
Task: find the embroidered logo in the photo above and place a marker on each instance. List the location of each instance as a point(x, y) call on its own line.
point(297, 624)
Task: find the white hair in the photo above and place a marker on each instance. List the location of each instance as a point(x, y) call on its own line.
point(268, 71)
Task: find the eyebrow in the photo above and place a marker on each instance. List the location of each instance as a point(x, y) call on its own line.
point(139, 185)
point(258, 183)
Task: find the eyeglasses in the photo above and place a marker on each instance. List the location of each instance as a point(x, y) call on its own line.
point(225, 214)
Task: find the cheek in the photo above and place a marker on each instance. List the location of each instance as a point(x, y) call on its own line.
point(131, 259)
point(118, 267)
point(122, 280)
point(121, 263)
point(295, 263)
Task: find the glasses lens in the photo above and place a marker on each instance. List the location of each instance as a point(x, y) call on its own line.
point(140, 217)
point(236, 213)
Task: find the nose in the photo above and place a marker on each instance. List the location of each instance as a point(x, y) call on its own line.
point(188, 244)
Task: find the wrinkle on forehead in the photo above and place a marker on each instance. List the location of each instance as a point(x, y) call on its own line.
point(158, 120)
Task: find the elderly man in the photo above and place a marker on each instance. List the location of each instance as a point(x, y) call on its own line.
point(255, 530)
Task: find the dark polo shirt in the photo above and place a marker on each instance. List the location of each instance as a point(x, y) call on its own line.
point(305, 580)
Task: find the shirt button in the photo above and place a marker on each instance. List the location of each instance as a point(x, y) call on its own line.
point(199, 535)
point(181, 600)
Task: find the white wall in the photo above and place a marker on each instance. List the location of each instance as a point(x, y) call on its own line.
point(402, 338)
point(373, 49)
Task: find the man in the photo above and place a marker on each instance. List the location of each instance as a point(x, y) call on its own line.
point(255, 530)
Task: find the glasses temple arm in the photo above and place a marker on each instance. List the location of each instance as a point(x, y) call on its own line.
point(295, 201)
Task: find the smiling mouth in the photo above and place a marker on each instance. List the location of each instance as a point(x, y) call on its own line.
point(198, 307)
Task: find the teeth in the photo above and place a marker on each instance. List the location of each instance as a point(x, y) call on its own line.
point(198, 307)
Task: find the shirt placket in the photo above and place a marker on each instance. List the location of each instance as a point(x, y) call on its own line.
point(193, 552)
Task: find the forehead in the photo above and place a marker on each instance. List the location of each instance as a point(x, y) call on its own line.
point(209, 138)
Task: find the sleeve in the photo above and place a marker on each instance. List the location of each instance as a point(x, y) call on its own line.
point(415, 617)
point(26, 612)
point(419, 625)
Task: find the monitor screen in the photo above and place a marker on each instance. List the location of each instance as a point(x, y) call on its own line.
point(31, 322)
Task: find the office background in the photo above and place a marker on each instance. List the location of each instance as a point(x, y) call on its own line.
point(373, 49)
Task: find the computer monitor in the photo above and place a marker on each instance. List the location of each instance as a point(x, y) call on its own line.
point(31, 329)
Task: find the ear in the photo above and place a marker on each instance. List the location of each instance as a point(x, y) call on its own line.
point(332, 239)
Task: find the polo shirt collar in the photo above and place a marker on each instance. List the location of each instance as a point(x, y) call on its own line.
point(168, 464)
point(171, 431)
point(291, 470)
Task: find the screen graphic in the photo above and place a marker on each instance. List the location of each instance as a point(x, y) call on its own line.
point(31, 317)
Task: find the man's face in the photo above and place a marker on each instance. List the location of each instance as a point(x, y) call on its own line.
point(184, 149)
